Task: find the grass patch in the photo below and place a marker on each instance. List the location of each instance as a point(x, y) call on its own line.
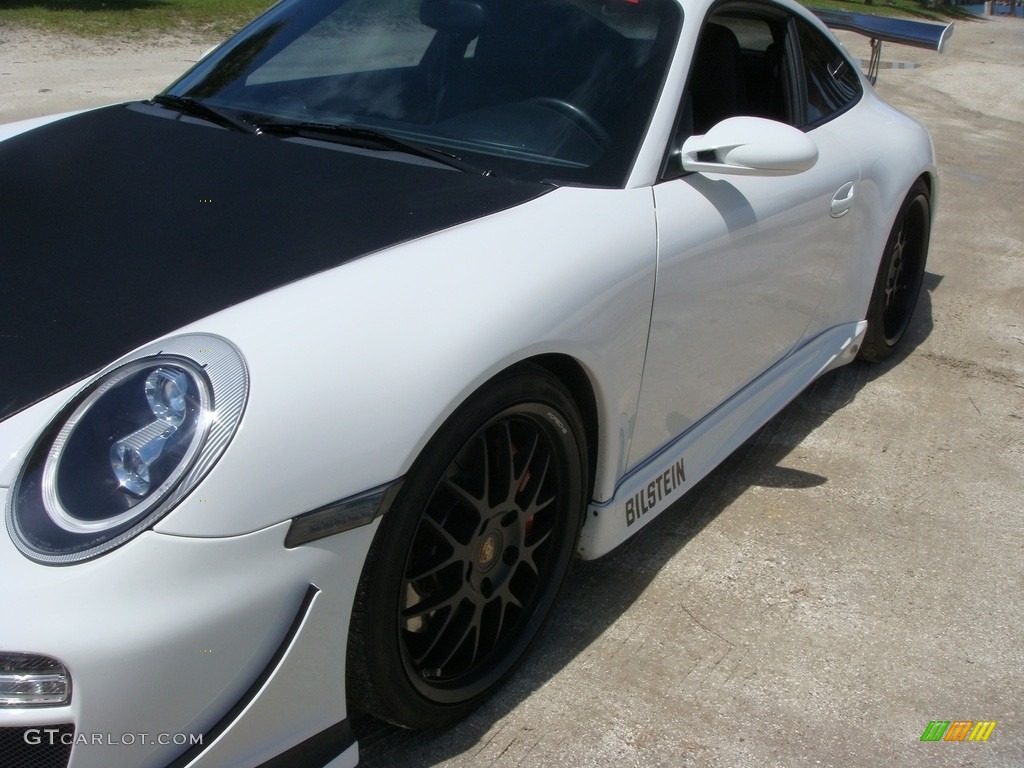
point(219, 18)
point(133, 18)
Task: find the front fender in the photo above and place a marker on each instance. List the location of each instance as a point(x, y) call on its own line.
point(353, 370)
point(10, 130)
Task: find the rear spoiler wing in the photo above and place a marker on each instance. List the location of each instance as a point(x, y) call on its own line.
point(881, 29)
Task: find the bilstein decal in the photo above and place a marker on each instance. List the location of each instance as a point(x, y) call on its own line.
point(660, 488)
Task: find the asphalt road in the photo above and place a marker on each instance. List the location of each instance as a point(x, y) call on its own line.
point(852, 573)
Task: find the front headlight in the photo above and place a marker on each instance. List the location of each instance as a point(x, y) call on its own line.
point(128, 448)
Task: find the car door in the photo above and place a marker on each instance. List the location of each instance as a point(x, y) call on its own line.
point(744, 260)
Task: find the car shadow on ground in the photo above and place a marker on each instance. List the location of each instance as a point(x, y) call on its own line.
point(597, 593)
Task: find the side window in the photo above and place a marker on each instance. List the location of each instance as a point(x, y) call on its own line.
point(832, 83)
point(739, 68)
point(759, 60)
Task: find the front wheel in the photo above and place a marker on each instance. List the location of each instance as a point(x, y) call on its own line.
point(469, 560)
point(900, 274)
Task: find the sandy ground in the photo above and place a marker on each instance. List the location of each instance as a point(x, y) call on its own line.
point(43, 74)
point(852, 573)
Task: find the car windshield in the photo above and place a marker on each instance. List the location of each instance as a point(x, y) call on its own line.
point(545, 90)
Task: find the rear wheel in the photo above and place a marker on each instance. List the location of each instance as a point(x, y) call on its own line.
point(900, 273)
point(468, 561)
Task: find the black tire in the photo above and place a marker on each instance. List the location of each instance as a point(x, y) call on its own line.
point(900, 274)
point(468, 561)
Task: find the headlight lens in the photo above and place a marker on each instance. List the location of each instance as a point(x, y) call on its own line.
point(138, 438)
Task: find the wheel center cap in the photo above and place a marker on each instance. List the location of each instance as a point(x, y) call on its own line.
point(487, 555)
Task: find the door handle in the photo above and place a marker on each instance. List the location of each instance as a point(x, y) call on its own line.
point(842, 200)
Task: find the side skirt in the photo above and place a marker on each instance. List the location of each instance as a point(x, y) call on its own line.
point(652, 486)
point(334, 747)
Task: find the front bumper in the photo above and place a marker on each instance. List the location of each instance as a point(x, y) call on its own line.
point(188, 651)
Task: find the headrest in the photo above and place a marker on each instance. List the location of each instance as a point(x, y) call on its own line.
point(453, 15)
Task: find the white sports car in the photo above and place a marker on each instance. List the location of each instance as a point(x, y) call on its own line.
point(319, 368)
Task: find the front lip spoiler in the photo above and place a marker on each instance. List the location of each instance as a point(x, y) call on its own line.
point(314, 752)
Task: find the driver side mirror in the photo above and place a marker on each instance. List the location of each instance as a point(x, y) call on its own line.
point(750, 146)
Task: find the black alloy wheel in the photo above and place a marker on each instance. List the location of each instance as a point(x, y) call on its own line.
point(468, 562)
point(900, 274)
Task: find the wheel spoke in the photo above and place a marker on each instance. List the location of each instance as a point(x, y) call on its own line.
point(434, 570)
point(533, 507)
point(438, 633)
point(523, 478)
point(447, 536)
point(529, 551)
point(463, 495)
point(472, 626)
point(435, 562)
point(506, 600)
point(503, 459)
point(432, 604)
point(892, 284)
point(485, 463)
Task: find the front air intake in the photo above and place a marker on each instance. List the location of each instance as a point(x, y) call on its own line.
point(46, 746)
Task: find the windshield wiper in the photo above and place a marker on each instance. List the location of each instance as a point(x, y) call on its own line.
point(196, 108)
point(368, 138)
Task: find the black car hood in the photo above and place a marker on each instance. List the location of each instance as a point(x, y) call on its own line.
point(117, 226)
